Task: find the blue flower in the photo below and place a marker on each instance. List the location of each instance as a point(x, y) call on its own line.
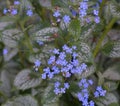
point(102, 93)
point(66, 19)
point(40, 42)
point(56, 91)
point(66, 85)
point(51, 60)
point(75, 62)
point(69, 66)
point(82, 13)
point(83, 66)
point(16, 2)
point(37, 63)
point(5, 51)
point(90, 82)
point(62, 90)
point(96, 94)
point(14, 11)
point(91, 103)
point(5, 11)
point(46, 70)
point(84, 5)
point(95, 12)
point(29, 12)
point(99, 92)
point(62, 55)
point(56, 51)
point(56, 70)
point(44, 76)
point(100, 1)
point(50, 75)
point(74, 55)
point(97, 19)
point(67, 74)
point(57, 84)
point(56, 14)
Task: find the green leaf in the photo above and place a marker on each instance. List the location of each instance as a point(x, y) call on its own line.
point(112, 49)
point(49, 96)
point(112, 73)
point(75, 28)
point(87, 30)
point(115, 8)
point(111, 86)
point(5, 87)
point(43, 55)
point(44, 34)
point(107, 100)
point(23, 80)
point(84, 53)
point(62, 3)
point(11, 54)
point(3, 25)
point(114, 104)
point(11, 36)
point(22, 101)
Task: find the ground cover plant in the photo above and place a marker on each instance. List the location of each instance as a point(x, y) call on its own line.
point(59, 52)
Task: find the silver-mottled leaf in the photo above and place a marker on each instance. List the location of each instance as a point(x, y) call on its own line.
point(44, 55)
point(4, 24)
point(107, 100)
point(115, 8)
point(52, 104)
point(86, 31)
point(10, 37)
point(49, 96)
point(112, 49)
point(42, 35)
point(111, 86)
point(112, 73)
point(84, 53)
point(5, 87)
point(22, 101)
point(23, 80)
point(11, 53)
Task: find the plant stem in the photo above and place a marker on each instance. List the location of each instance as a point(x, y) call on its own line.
point(108, 27)
point(29, 45)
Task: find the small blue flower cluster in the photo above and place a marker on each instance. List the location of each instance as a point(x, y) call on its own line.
point(14, 11)
point(65, 63)
point(40, 42)
point(37, 64)
point(83, 12)
point(5, 51)
point(83, 96)
point(99, 92)
point(66, 18)
point(58, 90)
point(83, 9)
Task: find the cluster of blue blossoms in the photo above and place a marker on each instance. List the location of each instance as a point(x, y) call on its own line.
point(83, 11)
point(65, 63)
point(58, 90)
point(14, 11)
point(83, 8)
point(83, 96)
